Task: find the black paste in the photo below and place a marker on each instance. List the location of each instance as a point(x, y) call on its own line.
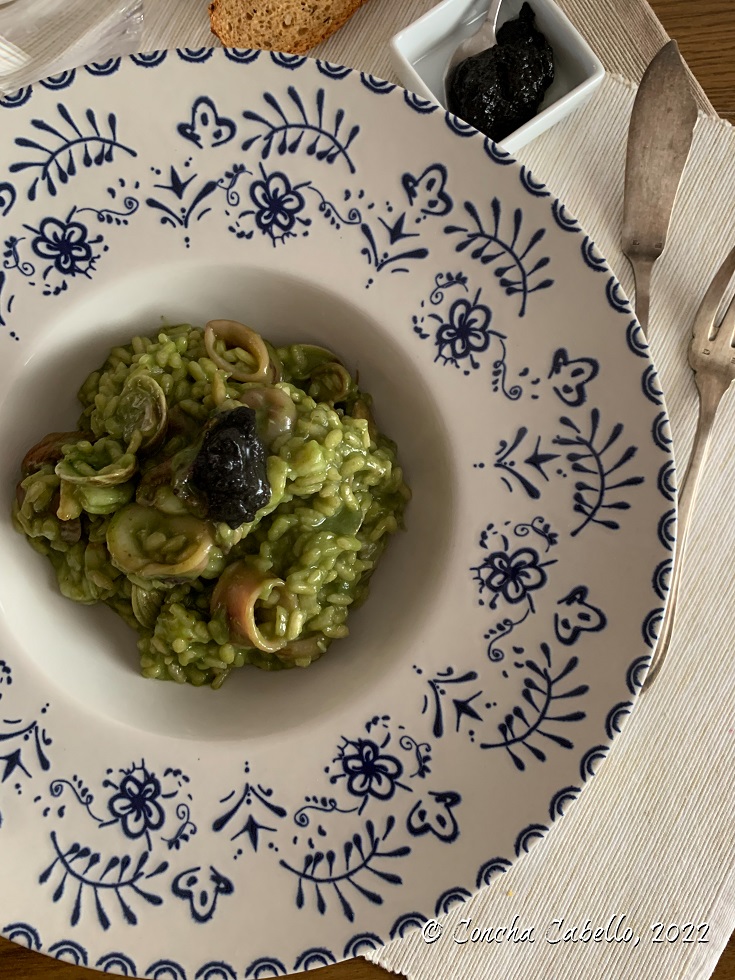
point(501, 88)
point(231, 468)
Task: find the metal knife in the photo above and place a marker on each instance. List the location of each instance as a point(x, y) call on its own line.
point(659, 139)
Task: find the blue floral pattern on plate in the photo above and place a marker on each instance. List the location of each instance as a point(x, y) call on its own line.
point(560, 457)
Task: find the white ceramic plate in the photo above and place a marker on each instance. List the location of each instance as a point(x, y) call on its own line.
point(297, 818)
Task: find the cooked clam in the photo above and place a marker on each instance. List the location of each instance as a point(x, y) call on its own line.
point(104, 464)
point(149, 544)
point(142, 413)
point(146, 605)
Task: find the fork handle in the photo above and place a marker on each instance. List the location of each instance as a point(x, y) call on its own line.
point(711, 391)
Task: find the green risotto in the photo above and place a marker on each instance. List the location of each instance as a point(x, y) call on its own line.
point(228, 499)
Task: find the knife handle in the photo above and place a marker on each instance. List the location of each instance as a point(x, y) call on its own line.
point(642, 269)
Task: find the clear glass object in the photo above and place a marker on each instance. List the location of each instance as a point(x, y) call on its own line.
point(39, 38)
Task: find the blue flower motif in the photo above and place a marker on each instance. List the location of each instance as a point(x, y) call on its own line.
point(466, 332)
point(67, 244)
point(512, 576)
point(368, 771)
point(278, 204)
point(136, 804)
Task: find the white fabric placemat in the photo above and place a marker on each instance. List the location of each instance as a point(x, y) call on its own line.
point(651, 838)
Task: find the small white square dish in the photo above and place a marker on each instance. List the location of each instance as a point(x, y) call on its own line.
point(421, 51)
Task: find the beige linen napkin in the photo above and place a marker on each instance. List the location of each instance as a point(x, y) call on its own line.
point(651, 838)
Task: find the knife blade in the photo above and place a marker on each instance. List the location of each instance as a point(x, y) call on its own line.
point(659, 139)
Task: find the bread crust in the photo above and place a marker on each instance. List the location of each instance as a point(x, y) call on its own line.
point(294, 26)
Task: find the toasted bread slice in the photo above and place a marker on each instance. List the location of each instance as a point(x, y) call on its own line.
point(294, 26)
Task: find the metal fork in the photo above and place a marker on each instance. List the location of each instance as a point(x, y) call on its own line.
point(712, 358)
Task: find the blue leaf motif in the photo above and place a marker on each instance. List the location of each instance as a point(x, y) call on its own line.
point(599, 485)
point(79, 867)
point(358, 864)
point(287, 130)
point(514, 266)
point(543, 694)
point(59, 147)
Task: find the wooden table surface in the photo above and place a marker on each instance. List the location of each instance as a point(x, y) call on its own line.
point(705, 30)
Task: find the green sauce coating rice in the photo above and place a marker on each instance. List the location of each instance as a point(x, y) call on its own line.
point(113, 507)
